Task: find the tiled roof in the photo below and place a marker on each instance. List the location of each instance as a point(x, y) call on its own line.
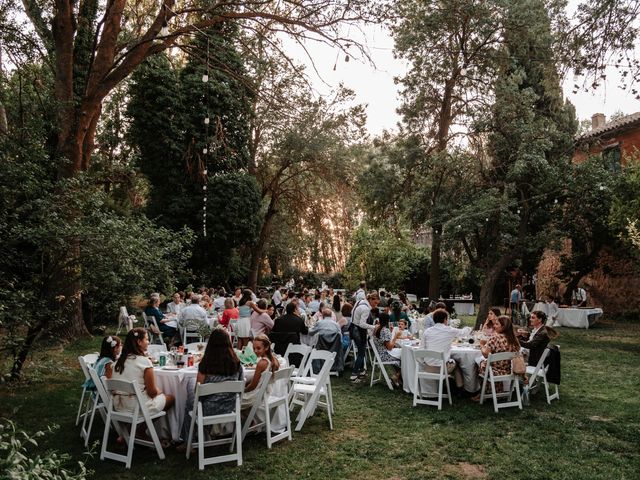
point(625, 121)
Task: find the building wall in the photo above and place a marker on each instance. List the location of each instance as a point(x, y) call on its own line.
point(629, 142)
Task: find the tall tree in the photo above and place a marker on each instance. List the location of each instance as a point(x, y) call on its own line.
point(93, 46)
point(530, 143)
point(450, 48)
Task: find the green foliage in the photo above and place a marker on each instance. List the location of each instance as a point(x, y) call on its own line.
point(18, 460)
point(167, 109)
point(382, 259)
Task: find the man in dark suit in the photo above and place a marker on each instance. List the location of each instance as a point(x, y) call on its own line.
point(287, 329)
point(538, 339)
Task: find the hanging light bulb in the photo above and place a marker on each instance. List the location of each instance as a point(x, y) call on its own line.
point(346, 58)
point(205, 150)
point(486, 219)
point(555, 201)
point(204, 187)
point(205, 78)
point(164, 31)
point(518, 211)
point(205, 171)
point(463, 71)
point(206, 120)
point(601, 187)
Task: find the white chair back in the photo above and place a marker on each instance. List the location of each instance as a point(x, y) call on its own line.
point(261, 388)
point(300, 349)
point(537, 373)
point(420, 357)
point(307, 390)
point(196, 347)
point(492, 379)
point(376, 361)
point(272, 402)
point(198, 417)
point(85, 396)
point(139, 415)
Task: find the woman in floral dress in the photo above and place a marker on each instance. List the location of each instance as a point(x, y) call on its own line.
point(503, 340)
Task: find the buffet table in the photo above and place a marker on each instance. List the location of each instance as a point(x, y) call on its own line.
point(578, 317)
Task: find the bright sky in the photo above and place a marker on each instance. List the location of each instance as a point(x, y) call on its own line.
point(374, 85)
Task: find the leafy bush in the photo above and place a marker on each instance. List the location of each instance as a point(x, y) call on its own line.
point(19, 461)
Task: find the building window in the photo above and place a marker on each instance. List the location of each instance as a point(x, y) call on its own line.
point(611, 156)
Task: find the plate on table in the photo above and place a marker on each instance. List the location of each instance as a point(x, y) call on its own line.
point(169, 367)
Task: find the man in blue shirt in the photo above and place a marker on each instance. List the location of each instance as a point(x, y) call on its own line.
point(514, 301)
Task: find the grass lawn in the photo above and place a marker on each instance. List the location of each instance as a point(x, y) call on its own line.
point(593, 432)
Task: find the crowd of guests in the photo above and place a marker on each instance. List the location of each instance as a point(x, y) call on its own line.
point(282, 319)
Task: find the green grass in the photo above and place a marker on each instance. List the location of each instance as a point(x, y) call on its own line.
point(591, 433)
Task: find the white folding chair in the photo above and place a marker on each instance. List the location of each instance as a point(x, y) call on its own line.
point(540, 372)
point(492, 379)
point(300, 349)
point(85, 397)
point(307, 390)
point(190, 331)
point(139, 415)
point(100, 402)
point(376, 361)
point(419, 358)
point(123, 321)
point(273, 402)
point(197, 416)
point(150, 324)
point(261, 388)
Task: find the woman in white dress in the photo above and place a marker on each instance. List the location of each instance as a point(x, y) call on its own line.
point(134, 365)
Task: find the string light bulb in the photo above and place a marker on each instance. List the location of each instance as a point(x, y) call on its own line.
point(205, 78)
point(164, 31)
point(205, 171)
point(206, 120)
point(205, 150)
point(204, 187)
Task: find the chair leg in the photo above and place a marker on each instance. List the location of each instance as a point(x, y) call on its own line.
point(82, 401)
point(446, 381)
point(105, 435)
point(190, 438)
point(238, 441)
point(132, 441)
point(200, 442)
point(518, 396)
point(156, 440)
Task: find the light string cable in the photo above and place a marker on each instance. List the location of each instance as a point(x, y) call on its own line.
point(205, 149)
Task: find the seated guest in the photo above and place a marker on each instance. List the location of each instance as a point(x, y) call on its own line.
point(134, 365)
point(319, 315)
point(314, 305)
point(386, 346)
point(271, 311)
point(267, 361)
point(397, 313)
point(218, 303)
point(503, 340)
point(403, 329)
point(287, 329)
point(153, 310)
point(438, 339)
point(237, 295)
point(491, 320)
point(428, 320)
point(261, 322)
point(538, 339)
point(345, 324)
point(326, 325)
point(109, 352)
point(219, 364)
point(230, 312)
point(176, 304)
point(193, 311)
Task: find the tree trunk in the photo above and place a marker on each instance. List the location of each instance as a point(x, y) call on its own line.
point(434, 266)
point(21, 357)
point(257, 253)
point(491, 277)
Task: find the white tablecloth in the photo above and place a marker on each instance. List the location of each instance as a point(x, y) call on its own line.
point(578, 317)
point(464, 308)
point(465, 357)
point(176, 383)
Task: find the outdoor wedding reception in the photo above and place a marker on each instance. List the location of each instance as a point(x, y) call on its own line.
point(396, 239)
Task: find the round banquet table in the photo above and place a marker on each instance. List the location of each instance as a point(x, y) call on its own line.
point(465, 357)
point(181, 383)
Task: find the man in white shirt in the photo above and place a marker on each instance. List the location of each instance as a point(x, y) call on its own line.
point(193, 311)
point(360, 329)
point(314, 305)
point(439, 338)
point(218, 303)
point(277, 297)
point(176, 305)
